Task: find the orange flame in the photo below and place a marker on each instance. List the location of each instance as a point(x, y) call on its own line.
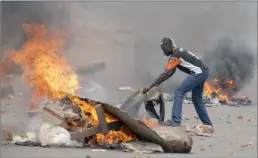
point(209, 89)
point(148, 122)
point(45, 69)
point(116, 136)
point(42, 63)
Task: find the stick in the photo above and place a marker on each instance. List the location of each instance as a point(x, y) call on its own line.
point(102, 119)
point(86, 132)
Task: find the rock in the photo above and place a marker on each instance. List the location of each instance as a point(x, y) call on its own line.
point(137, 154)
point(203, 130)
point(177, 138)
point(240, 117)
point(142, 146)
point(247, 145)
point(186, 118)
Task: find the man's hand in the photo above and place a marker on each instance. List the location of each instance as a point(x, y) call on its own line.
point(145, 90)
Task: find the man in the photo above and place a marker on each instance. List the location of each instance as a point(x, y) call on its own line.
point(198, 73)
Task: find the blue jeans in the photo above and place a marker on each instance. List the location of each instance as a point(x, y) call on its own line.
point(194, 83)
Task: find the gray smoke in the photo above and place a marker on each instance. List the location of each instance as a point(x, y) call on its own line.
point(232, 59)
point(126, 35)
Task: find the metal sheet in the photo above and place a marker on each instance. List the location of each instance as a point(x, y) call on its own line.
point(169, 138)
point(142, 131)
point(132, 105)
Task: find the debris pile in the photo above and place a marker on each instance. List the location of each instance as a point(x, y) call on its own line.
point(220, 92)
point(206, 99)
point(67, 126)
point(243, 100)
point(215, 101)
point(225, 90)
point(70, 119)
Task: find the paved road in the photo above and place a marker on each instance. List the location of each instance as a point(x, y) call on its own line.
point(226, 142)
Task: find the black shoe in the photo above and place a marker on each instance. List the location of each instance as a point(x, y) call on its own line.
point(167, 123)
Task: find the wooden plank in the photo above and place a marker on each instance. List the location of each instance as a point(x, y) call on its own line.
point(54, 114)
point(102, 119)
point(86, 132)
point(53, 118)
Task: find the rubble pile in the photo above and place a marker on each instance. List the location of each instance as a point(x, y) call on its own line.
point(241, 100)
point(206, 99)
point(70, 120)
point(65, 125)
point(209, 98)
point(213, 100)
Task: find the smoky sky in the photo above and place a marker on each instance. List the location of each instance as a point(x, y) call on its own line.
point(126, 35)
point(232, 59)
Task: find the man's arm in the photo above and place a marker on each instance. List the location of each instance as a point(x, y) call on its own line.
point(169, 71)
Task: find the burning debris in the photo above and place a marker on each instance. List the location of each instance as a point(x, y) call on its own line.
point(206, 99)
point(107, 132)
point(243, 100)
point(220, 91)
point(70, 120)
point(231, 63)
point(66, 126)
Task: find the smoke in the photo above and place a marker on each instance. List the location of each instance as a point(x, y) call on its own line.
point(231, 58)
point(126, 35)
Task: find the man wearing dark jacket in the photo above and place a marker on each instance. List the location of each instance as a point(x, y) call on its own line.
point(198, 73)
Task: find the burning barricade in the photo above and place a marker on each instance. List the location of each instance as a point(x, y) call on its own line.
point(70, 120)
point(67, 123)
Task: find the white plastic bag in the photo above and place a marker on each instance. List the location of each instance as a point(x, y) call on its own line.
point(55, 136)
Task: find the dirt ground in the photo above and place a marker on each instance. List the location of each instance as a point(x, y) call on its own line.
point(231, 133)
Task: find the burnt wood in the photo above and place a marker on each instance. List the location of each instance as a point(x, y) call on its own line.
point(64, 124)
point(102, 119)
point(136, 126)
point(87, 132)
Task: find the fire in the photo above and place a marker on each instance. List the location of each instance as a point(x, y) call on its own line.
point(51, 76)
point(43, 66)
point(222, 88)
point(121, 136)
point(148, 122)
